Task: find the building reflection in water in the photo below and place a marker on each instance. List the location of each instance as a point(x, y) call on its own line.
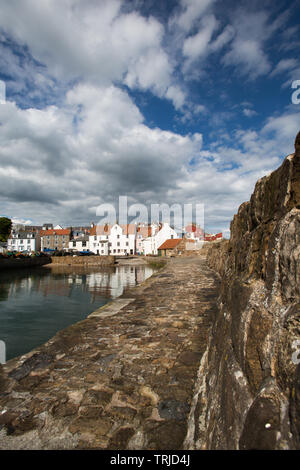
point(57, 280)
point(36, 303)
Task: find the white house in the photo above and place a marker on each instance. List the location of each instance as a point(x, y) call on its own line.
point(142, 231)
point(112, 239)
point(122, 239)
point(163, 233)
point(79, 244)
point(24, 241)
point(98, 239)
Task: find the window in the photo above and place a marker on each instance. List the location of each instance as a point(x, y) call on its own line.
point(118, 244)
point(127, 243)
point(74, 244)
point(118, 236)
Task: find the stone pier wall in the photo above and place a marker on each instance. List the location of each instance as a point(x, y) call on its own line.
point(248, 391)
point(83, 260)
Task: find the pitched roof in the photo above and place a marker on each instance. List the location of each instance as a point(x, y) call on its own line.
point(128, 229)
point(144, 230)
point(55, 232)
point(100, 230)
point(170, 244)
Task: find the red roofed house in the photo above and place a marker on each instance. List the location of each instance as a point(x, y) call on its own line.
point(172, 247)
point(55, 239)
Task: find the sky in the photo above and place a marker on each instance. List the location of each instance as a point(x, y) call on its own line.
point(162, 101)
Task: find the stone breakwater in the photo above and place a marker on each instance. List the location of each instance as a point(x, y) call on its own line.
point(121, 379)
point(83, 260)
point(248, 390)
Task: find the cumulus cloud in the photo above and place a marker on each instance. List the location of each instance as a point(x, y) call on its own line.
point(78, 138)
point(91, 41)
point(91, 150)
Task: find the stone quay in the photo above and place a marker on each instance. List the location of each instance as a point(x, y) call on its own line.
point(121, 379)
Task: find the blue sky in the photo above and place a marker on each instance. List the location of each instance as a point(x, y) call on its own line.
point(182, 101)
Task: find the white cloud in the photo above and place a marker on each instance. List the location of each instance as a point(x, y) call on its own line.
point(196, 46)
point(252, 31)
point(190, 12)
point(249, 56)
point(284, 65)
point(175, 94)
point(284, 127)
point(249, 112)
point(94, 148)
point(21, 221)
point(91, 41)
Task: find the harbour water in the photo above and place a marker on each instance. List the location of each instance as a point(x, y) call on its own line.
point(37, 303)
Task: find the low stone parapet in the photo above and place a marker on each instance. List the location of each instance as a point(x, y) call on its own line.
point(84, 260)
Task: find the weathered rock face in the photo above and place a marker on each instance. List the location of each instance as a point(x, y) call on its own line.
point(248, 390)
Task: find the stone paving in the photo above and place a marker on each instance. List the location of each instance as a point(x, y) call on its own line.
point(121, 379)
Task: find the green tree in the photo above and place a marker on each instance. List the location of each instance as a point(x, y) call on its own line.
point(5, 228)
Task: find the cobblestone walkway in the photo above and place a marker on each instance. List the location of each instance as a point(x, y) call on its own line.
point(121, 379)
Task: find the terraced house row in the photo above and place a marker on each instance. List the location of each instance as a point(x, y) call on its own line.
point(114, 239)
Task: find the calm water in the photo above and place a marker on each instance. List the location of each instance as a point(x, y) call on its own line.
point(36, 303)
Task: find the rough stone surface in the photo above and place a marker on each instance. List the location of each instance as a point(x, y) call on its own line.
point(83, 260)
point(247, 394)
point(121, 379)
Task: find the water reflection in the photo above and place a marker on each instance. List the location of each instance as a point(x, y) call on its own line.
point(36, 303)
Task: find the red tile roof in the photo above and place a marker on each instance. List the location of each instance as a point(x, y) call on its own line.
point(170, 244)
point(44, 233)
point(128, 229)
point(145, 231)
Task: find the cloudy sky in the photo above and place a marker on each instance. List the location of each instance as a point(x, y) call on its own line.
point(164, 101)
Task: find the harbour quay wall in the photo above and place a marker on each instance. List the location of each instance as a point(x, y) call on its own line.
point(15, 263)
point(83, 260)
